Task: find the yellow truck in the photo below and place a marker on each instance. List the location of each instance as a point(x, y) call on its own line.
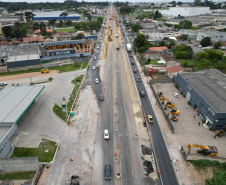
point(45, 70)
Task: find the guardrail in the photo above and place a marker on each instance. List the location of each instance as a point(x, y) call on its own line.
point(164, 113)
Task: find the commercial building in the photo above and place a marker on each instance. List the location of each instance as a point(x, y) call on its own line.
point(186, 11)
point(14, 102)
point(214, 35)
point(55, 15)
point(206, 92)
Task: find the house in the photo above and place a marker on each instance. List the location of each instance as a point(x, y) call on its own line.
point(169, 60)
point(153, 54)
point(172, 71)
point(30, 31)
point(33, 39)
point(162, 48)
point(39, 31)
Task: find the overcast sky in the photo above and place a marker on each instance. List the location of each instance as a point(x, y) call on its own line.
point(92, 1)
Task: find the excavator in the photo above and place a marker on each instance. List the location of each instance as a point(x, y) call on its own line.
point(175, 111)
point(170, 104)
point(208, 151)
point(174, 118)
point(163, 99)
point(219, 133)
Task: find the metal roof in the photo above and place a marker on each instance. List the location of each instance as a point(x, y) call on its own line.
point(15, 100)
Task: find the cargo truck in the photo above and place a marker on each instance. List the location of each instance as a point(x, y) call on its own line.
point(129, 47)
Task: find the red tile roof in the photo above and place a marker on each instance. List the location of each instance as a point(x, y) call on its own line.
point(158, 48)
point(4, 42)
point(174, 69)
point(39, 31)
point(32, 39)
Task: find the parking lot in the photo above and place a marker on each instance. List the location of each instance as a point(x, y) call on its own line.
point(187, 129)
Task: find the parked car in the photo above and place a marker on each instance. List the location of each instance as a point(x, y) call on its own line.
point(97, 51)
point(200, 46)
point(134, 70)
point(97, 81)
point(95, 57)
point(175, 95)
point(101, 97)
point(107, 172)
point(94, 67)
point(106, 134)
point(98, 47)
point(3, 83)
point(138, 79)
point(142, 93)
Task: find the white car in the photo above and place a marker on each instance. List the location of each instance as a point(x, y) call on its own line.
point(200, 46)
point(98, 47)
point(97, 51)
point(94, 67)
point(94, 57)
point(97, 81)
point(106, 134)
point(3, 83)
point(175, 95)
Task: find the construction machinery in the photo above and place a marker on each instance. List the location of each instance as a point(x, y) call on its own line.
point(162, 98)
point(160, 93)
point(170, 104)
point(208, 151)
point(173, 118)
point(175, 111)
point(219, 133)
point(45, 70)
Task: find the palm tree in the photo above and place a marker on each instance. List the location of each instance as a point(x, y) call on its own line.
point(64, 14)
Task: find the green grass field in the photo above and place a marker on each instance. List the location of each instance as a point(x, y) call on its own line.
point(66, 30)
point(189, 61)
point(39, 152)
point(17, 176)
point(57, 109)
point(85, 64)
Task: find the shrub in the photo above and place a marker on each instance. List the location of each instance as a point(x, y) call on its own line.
point(214, 128)
point(189, 103)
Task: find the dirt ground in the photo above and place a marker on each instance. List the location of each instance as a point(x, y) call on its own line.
point(26, 75)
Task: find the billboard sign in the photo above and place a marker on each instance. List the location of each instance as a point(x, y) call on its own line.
point(150, 70)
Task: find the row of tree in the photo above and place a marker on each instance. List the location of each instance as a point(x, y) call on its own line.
point(15, 6)
point(92, 25)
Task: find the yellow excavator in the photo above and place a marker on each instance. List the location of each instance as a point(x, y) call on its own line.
point(174, 118)
point(170, 104)
point(163, 99)
point(219, 133)
point(208, 151)
point(160, 93)
point(175, 111)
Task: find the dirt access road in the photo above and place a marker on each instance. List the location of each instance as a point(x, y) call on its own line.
point(26, 75)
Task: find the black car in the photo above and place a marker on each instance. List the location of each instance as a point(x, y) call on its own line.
point(132, 63)
point(107, 172)
point(142, 93)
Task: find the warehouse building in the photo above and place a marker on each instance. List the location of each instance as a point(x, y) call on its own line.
point(215, 36)
point(55, 15)
point(14, 102)
point(206, 92)
point(186, 11)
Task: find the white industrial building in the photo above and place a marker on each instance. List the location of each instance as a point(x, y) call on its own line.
point(186, 11)
point(215, 36)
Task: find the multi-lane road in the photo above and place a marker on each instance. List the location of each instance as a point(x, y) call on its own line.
point(164, 163)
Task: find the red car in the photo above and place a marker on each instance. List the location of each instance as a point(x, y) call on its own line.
point(123, 34)
point(134, 70)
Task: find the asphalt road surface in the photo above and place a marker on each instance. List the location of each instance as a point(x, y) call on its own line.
point(167, 176)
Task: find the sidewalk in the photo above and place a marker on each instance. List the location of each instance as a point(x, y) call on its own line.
point(172, 144)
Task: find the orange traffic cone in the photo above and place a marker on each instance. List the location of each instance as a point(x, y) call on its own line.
point(148, 139)
point(158, 171)
point(97, 113)
point(115, 154)
point(71, 159)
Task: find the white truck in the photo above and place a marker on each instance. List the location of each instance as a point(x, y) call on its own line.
point(129, 47)
point(116, 35)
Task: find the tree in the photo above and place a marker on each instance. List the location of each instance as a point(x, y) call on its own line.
point(16, 29)
point(157, 14)
point(139, 41)
point(136, 27)
point(80, 36)
point(35, 26)
point(7, 31)
point(183, 51)
point(52, 22)
point(206, 41)
point(23, 32)
point(185, 24)
point(29, 15)
point(68, 23)
point(89, 17)
point(217, 45)
point(100, 19)
point(183, 37)
point(197, 3)
point(179, 3)
point(63, 14)
point(162, 43)
point(204, 64)
point(42, 26)
point(60, 24)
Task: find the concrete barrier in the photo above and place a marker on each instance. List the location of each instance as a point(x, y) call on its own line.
point(18, 164)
